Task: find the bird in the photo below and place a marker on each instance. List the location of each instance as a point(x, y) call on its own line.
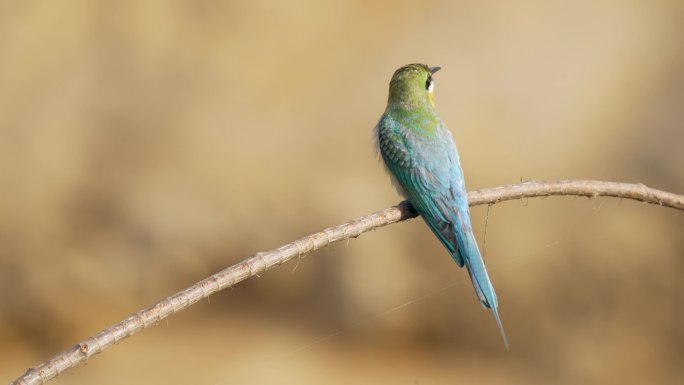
point(420, 155)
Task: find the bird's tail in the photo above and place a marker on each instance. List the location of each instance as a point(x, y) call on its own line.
point(501, 329)
point(480, 279)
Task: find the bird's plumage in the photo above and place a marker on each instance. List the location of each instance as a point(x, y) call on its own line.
point(420, 154)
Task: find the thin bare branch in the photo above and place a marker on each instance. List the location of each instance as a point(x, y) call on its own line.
point(260, 262)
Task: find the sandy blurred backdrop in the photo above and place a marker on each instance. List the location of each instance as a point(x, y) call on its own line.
point(145, 145)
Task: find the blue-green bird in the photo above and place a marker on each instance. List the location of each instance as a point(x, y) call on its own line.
point(421, 157)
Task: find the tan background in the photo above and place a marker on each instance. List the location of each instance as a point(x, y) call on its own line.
point(147, 144)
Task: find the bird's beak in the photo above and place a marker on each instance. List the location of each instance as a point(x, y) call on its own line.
point(434, 69)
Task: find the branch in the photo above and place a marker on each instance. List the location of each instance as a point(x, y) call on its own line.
point(260, 262)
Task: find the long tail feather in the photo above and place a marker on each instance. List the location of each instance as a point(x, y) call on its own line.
point(501, 329)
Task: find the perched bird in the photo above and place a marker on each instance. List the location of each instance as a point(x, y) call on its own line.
point(421, 157)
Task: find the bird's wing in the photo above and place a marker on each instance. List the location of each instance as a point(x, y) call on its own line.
point(430, 176)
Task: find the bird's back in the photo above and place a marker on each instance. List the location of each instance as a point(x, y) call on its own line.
point(427, 170)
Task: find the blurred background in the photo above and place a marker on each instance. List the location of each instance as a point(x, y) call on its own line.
point(146, 145)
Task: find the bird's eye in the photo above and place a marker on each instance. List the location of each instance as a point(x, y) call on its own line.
point(428, 83)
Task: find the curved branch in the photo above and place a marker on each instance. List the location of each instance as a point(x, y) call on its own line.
point(260, 262)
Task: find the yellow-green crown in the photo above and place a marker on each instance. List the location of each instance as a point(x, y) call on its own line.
point(412, 84)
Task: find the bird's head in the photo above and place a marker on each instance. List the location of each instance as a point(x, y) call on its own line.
point(412, 84)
